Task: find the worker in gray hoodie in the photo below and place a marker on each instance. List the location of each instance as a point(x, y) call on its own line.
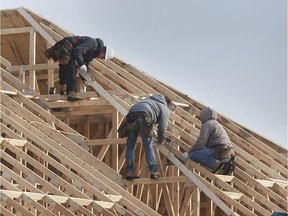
point(141, 118)
point(213, 148)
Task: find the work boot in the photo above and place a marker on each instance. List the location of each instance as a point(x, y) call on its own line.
point(224, 168)
point(131, 176)
point(229, 166)
point(218, 166)
point(72, 97)
point(155, 175)
point(62, 89)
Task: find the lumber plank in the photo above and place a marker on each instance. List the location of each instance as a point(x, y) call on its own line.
point(5, 211)
point(5, 184)
point(265, 191)
point(5, 62)
point(32, 58)
point(36, 26)
point(141, 85)
point(30, 177)
point(35, 204)
point(99, 89)
point(54, 35)
point(34, 66)
point(18, 207)
point(54, 179)
point(258, 164)
point(14, 142)
point(116, 78)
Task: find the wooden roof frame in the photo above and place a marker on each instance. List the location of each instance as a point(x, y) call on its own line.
point(72, 162)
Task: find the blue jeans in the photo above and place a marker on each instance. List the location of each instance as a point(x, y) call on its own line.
point(205, 157)
point(148, 148)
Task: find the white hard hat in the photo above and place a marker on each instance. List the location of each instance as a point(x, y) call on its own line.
point(109, 54)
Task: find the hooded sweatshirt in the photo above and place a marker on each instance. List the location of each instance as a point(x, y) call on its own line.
point(156, 107)
point(212, 133)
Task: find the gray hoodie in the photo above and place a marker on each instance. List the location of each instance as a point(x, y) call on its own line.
point(156, 107)
point(212, 133)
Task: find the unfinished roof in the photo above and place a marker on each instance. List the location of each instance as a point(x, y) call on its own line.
point(70, 161)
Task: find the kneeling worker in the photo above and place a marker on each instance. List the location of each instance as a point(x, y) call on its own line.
point(213, 148)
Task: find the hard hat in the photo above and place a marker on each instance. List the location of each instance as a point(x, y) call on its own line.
point(109, 54)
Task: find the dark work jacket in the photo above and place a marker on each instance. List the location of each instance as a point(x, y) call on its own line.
point(86, 49)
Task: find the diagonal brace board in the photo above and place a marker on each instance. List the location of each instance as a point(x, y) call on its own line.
point(101, 91)
point(35, 25)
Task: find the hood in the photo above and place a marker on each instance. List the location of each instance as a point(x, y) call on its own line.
point(159, 98)
point(207, 114)
point(99, 47)
point(100, 43)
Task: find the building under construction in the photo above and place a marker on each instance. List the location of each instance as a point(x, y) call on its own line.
point(65, 158)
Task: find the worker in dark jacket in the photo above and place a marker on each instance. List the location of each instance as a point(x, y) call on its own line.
point(141, 118)
point(72, 52)
point(213, 148)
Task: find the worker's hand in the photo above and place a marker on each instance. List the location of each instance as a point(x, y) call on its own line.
point(154, 133)
point(83, 68)
point(184, 156)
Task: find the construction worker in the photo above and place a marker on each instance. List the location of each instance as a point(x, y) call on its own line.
point(141, 119)
point(213, 148)
point(73, 52)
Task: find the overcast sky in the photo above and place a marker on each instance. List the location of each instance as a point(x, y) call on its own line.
point(229, 55)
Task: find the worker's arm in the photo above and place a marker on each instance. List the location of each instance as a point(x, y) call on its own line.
point(80, 49)
point(162, 126)
point(203, 138)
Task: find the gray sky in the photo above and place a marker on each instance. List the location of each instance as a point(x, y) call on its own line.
point(229, 55)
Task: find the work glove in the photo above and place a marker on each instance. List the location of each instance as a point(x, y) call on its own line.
point(154, 133)
point(83, 68)
point(184, 156)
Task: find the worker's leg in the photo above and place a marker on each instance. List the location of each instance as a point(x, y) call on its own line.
point(71, 82)
point(150, 154)
point(62, 79)
point(205, 157)
point(130, 151)
point(71, 71)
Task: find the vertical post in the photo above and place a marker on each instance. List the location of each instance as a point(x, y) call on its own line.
point(115, 151)
point(21, 75)
point(196, 201)
point(50, 74)
point(32, 58)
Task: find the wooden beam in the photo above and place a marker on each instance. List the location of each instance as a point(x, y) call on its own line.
point(36, 26)
point(99, 89)
point(5, 62)
point(54, 34)
point(15, 142)
point(32, 67)
point(32, 58)
point(108, 141)
point(19, 30)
